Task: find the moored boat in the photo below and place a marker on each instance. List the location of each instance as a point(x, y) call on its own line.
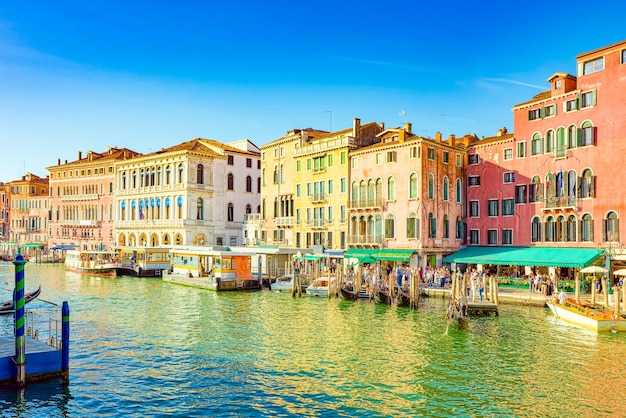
point(7, 307)
point(319, 287)
point(99, 263)
point(283, 283)
point(594, 317)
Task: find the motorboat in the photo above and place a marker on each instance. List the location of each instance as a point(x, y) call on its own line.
point(319, 287)
point(594, 317)
point(283, 283)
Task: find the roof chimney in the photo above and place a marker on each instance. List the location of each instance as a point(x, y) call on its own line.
point(80, 155)
point(356, 127)
point(438, 136)
point(407, 127)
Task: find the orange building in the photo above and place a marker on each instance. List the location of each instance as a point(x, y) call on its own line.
point(28, 218)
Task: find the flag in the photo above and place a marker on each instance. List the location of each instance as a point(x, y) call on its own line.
point(548, 179)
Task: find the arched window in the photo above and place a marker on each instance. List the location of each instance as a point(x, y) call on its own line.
point(549, 141)
point(371, 193)
point(180, 173)
point(231, 181)
point(413, 186)
point(611, 227)
point(446, 227)
point(379, 228)
point(389, 227)
point(363, 194)
point(200, 209)
point(258, 185)
point(550, 229)
point(560, 228)
point(445, 189)
point(536, 144)
point(561, 144)
point(249, 184)
point(355, 194)
point(200, 174)
point(391, 189)
point(587, 188)
point(459, 227)
point(379, 190)
point(586, 134)
point(231, 212)
point(535, 235)
point(411, 226)
point(431, 186)
point(570, 185)
point(586, 228)
point(459, 191)
point(571, 137)
point(534, 193)
point(570, 229)
point(248, 209)
point(432, 226)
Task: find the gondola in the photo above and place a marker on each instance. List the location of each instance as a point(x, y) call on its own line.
point(399, 297)
point(348, 293)
point(7, 307)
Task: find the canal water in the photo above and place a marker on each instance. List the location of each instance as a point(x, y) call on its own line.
point(141, 348)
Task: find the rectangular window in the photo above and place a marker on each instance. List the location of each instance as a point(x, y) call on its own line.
point(413, 153)
point(473, 159)
point(588, 99)
point(622, 59)
point(379, 158)
point(355, 162)
point(534, 114)
point(508, 206)
point(231, 160)
point(474, 209)
point(459, 161)
point(344, 218)
point(474, 237)
point(570, 105)
point(492, 237)
point(474, 180)
point(509, 177)
point(508, 154)
point(432, 155)
point(521, 149)
point(593, 66)
point(298, 166)
point(493, 207)
point(521, 195)
point(445, 157)
point(507, 237)
point(308, 189)
point(391, 156)
point(249, 162)
point(309, 164)
point(343, 157)
point(298, 190)
point(343, 185)
point(549, 111)
point(330, 160)
point(330, 187)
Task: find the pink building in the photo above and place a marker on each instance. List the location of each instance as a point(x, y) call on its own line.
point(406, 192)
point(555, 182)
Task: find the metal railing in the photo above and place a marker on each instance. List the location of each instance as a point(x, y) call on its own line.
point(41, 326)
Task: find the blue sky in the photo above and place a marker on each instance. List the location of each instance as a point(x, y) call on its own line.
point(82, 75)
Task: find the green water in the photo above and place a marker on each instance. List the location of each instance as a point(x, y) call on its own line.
point(141, 347)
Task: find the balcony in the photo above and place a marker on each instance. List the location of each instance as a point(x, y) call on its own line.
point(77, 197)
point(77, 222)
point(372, 203)
point(284, 221)
point(324, 145)
point(316, 223)
point(318, 197)
point(562, 202)
point(371, 240)
point(560, 152)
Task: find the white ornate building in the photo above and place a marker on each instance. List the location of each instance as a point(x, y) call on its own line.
point(194, 193)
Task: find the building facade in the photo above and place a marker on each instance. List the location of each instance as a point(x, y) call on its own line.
point(194, 193)
point(29, 211)
point(82, 199)
point(406, 192)
point(4, 212)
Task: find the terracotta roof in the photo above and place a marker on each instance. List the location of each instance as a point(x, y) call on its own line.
point(492, 139)
point(538, 97)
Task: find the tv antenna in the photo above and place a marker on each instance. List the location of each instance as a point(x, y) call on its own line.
point(403, 114)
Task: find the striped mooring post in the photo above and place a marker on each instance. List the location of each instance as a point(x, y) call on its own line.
point(20, 339)
point(65, 344)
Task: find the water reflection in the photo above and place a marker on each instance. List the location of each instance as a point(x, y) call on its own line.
point(141, 347)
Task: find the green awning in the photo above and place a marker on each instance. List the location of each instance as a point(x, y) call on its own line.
point(526, 256)
point(394, 255)
point(31, 245)
point(372, 255)
point(313, 256)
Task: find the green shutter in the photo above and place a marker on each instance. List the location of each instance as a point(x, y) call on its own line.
point(579, 137)
point(593, 97)
point(578, 100)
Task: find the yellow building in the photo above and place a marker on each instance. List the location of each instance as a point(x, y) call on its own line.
point(306, 203)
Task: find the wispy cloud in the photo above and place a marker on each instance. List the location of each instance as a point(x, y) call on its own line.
point(379, 63)
point(516, 82)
